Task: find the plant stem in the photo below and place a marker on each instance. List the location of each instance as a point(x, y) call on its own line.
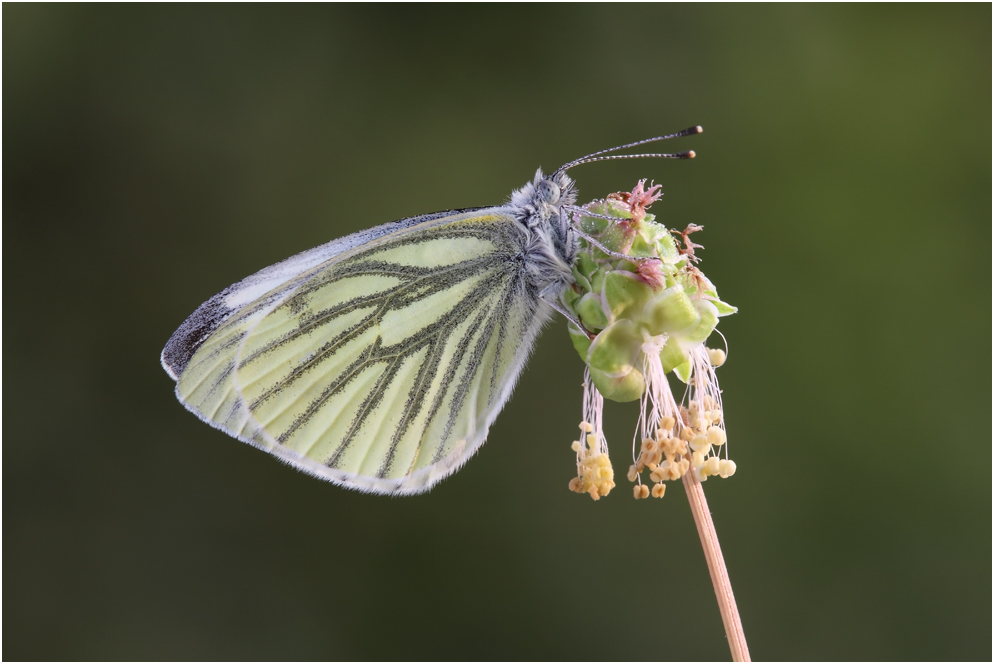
point(716, 566)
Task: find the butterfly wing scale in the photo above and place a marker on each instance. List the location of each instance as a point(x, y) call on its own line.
point(381, 367)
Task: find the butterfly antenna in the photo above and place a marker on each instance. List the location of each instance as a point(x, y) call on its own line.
point(596, 156)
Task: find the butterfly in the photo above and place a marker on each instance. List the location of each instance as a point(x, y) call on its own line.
point(378, 361)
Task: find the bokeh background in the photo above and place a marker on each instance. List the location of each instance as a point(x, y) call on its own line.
point(152, 155)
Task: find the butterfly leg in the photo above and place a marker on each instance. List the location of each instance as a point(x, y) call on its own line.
point(551, 295)
point(607, 251)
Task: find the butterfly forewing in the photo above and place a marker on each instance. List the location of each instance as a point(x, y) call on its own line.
point(382, 367)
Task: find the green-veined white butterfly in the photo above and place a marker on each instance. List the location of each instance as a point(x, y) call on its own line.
point(378, 361)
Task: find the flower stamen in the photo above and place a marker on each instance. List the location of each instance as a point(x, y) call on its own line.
point(594, 473)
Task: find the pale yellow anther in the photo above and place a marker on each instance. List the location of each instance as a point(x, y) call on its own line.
point(653, 467)
point(713, 465)
point(639, 466)
point(667, 423)
point(726, 468)
point(684, 466)
point(656, 457)
point(716, 415)
point(655, 476)
point(700, 474)
point(586, 427)
point(700, 443)
point(637, 491)
point(644, 490)
point(595, 476)
point(591, 440)
point(687, 434)
point(697, 460)
point(576, 446)
point(648, 445)
point(716, 435)
point(632, 474)
point(716, 356)
point(658, 491)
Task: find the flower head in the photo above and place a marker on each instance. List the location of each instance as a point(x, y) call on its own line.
point(646, 310)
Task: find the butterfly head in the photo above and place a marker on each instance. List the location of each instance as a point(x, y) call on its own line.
point(548, 191)
point(544, 197)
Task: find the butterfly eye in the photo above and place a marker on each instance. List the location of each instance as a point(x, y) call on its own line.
point(549, 191)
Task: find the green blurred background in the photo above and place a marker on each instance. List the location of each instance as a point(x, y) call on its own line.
point(155, 154)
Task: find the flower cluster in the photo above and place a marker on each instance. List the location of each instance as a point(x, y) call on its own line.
point(645, 310)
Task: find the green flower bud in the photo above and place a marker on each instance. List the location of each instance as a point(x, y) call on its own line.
point(621, 390)
point(625, 295)
point(591, 312)
point(724, 309)
point(580, 279)
point(597, 280)
point(585, 264)
point(571, 295)
point(705, 325)
point(625, 265)
point(670, 311)
point(618, 238)
point(671, 356)
point(616, 350)
point(644, 244)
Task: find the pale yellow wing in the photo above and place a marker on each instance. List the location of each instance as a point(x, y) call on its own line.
point(377, 361)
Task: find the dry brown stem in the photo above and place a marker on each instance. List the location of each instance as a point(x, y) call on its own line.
point(716, 566)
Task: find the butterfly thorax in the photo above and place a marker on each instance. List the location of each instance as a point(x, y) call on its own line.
point(552, 246)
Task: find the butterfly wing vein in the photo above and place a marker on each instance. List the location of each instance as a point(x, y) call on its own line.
point(383, 367)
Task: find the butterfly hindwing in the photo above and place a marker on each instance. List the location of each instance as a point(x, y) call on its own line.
point(380, 366)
